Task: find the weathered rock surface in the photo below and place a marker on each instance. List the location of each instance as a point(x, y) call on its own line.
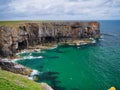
point(14, 67)
point(21, 36)
point(45, 86)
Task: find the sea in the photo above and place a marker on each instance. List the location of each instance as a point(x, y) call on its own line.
point(85, 67)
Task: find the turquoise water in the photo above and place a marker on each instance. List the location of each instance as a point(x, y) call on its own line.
point(90, 67)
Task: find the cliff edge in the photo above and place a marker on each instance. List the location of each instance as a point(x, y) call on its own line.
point(15, 37)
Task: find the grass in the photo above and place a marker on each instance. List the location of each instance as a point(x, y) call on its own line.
point(14, 22)
point(11, 81)
point(10, 22)
point(29, 21)
point(22, 22)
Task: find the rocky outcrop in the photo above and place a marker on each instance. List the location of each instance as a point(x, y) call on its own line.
point(14, 67)
point(21, 36)
point(112, 88)
point(45, 86)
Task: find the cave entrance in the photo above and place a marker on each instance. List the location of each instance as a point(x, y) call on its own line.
point(22, 45)
point(49, 39)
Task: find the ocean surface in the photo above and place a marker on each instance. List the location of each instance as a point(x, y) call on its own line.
point(89, 67)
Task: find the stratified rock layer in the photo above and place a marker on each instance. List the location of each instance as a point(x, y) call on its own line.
point(21, 36)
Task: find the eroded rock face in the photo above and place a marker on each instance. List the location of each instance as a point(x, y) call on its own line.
point(20, 36)
point(14, 67)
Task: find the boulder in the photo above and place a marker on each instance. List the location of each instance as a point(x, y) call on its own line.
point(14, 67)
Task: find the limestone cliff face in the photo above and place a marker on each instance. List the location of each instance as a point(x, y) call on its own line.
point(20, 36)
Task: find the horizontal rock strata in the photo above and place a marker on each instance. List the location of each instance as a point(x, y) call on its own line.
point(21, 36)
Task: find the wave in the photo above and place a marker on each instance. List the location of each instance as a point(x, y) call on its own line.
point(15, 60)
point(27, 57)
point(24, 51)
point(32, 57)
point(93, 40)
point(83, 43)
point(33, 74)
point(54, 47)
point(102, 39)
point(109, 34)
point(28, 51)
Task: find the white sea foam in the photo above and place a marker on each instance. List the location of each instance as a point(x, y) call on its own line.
point(102, 39)
point(94, 41)
point(24, 51)
point(26, 57)
point(55, 46)
point(32, 57)
point(101, 36)
point(15, 60)
point(91, 38)
point(83, 44)
point(34, 72)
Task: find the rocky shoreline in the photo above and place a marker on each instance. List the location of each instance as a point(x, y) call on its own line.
point(35, 36)
point(16, 37)
point(10, 64)
point(14, 67)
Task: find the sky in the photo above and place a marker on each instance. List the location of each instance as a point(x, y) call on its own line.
point(59, 9)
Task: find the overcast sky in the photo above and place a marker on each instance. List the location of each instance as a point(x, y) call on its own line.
point(59, 9)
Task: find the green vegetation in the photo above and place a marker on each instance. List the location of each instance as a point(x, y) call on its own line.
point(10, 22)
point(22, 22)
point(13, 22)
point(11, 81)
point(27, 21)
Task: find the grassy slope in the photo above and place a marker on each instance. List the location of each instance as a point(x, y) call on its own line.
point(27, 21)
point(11, 81)
point(12, 22)
point(21, 22)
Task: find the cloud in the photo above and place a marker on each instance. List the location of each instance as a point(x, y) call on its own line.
point(63, 9)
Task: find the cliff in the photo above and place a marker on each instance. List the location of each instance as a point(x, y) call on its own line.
point(24, 35)
point(20, 36)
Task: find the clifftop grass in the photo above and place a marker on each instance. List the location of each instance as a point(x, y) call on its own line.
point(23, 21)
point(11, 81)
point(10, 22)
